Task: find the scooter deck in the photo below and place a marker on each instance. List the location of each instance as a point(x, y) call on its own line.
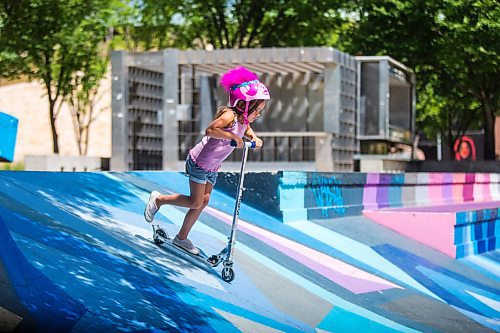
point(201, 257)
point(168, 246)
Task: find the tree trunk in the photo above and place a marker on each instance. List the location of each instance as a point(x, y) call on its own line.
point(449, 137)
point(87, 126)
point(489, 132)
point(55, 141)
point(86, 141)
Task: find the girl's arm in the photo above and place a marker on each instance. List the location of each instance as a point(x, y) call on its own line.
point(216, 128)
point(249, 133)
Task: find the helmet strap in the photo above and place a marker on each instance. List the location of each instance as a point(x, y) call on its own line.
point(245, 113)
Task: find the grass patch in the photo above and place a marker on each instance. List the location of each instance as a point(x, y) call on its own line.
point(12, 166)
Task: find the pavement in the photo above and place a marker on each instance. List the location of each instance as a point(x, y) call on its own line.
point(77, 256)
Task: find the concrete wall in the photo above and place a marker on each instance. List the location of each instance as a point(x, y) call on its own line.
point(28, 102)
point(65, 163)
point(293, 196)
point(454, 213)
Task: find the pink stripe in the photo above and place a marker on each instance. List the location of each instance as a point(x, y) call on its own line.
point(486, 187)
point(433, 229)
point(355, 284)
point(435, 188)
point(458, 187)
point(349, 277)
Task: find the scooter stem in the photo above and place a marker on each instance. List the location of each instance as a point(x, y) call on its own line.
point(234, 226)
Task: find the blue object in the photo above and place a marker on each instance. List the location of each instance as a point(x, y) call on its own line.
point(249, 144)
point(8, 133)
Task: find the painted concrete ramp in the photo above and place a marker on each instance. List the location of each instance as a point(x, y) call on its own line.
point(77, 256)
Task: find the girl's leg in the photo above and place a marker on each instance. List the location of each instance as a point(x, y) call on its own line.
point(194, 200)
point(193, 214)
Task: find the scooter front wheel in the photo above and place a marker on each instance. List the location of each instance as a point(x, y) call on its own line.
point(227, 274)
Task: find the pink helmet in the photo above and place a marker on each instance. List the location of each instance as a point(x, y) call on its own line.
point(243, 85)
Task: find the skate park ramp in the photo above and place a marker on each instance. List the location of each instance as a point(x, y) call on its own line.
point(77, 256)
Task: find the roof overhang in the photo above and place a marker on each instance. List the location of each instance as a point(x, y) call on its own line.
point(297, 60)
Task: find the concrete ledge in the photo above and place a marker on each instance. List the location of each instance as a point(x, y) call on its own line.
point(65, 163)
point(293, 196)
point(456, 230)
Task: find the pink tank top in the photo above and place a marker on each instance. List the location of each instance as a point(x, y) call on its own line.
point(210, 153)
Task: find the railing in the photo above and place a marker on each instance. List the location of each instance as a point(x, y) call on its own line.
point(324, 151)
point(284, 147)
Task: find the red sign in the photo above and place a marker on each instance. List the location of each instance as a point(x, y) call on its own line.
point(465, 149)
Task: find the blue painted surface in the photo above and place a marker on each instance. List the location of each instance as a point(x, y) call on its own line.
point(477, 232)
point(440, 281)
point(77, 250)
point(343, 321)
point(328, 195)
point(41, 297)
point(8, 130)
point(395, 198)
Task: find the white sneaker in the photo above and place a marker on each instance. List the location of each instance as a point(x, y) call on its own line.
point(151, 208)
point(186, 245)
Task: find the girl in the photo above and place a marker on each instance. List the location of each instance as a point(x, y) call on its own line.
point(247, 98)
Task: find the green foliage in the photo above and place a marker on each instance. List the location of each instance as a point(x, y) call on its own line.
point(452, 46)
point(52, 41)
point(12, 166)
point(230, 24)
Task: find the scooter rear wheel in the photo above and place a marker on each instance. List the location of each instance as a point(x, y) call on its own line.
point(159, 233)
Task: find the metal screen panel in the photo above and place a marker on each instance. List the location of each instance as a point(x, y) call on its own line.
point(400, 106)
point(345, 142)
point(370, 96)
point(145, 97)
point(190, 131)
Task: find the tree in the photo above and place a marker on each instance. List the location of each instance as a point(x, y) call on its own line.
point(157, 28)
point(45, 40)
point(82, 100)
point(453, 47)
point(444, 114)
point(81, 92)
point(232, 24)
point(469, 56)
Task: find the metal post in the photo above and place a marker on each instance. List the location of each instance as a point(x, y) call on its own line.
point(170, 149)
point(383, 99)
point(439, 151)
point(120, 158)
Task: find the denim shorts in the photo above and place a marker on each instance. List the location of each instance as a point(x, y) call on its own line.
point(199, 175)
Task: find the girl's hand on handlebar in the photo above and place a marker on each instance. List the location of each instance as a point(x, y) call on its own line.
point(258, 142)
point(239, 142)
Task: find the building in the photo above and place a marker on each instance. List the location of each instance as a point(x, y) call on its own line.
point(163, 101)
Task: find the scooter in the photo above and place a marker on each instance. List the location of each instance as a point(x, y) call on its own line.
point(225, 256)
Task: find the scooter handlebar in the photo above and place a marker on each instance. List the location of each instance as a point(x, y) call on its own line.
point(249, 144)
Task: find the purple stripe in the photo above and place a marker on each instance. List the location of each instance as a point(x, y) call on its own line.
point(370, 191)
point(383, 191)
point(447, 187)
